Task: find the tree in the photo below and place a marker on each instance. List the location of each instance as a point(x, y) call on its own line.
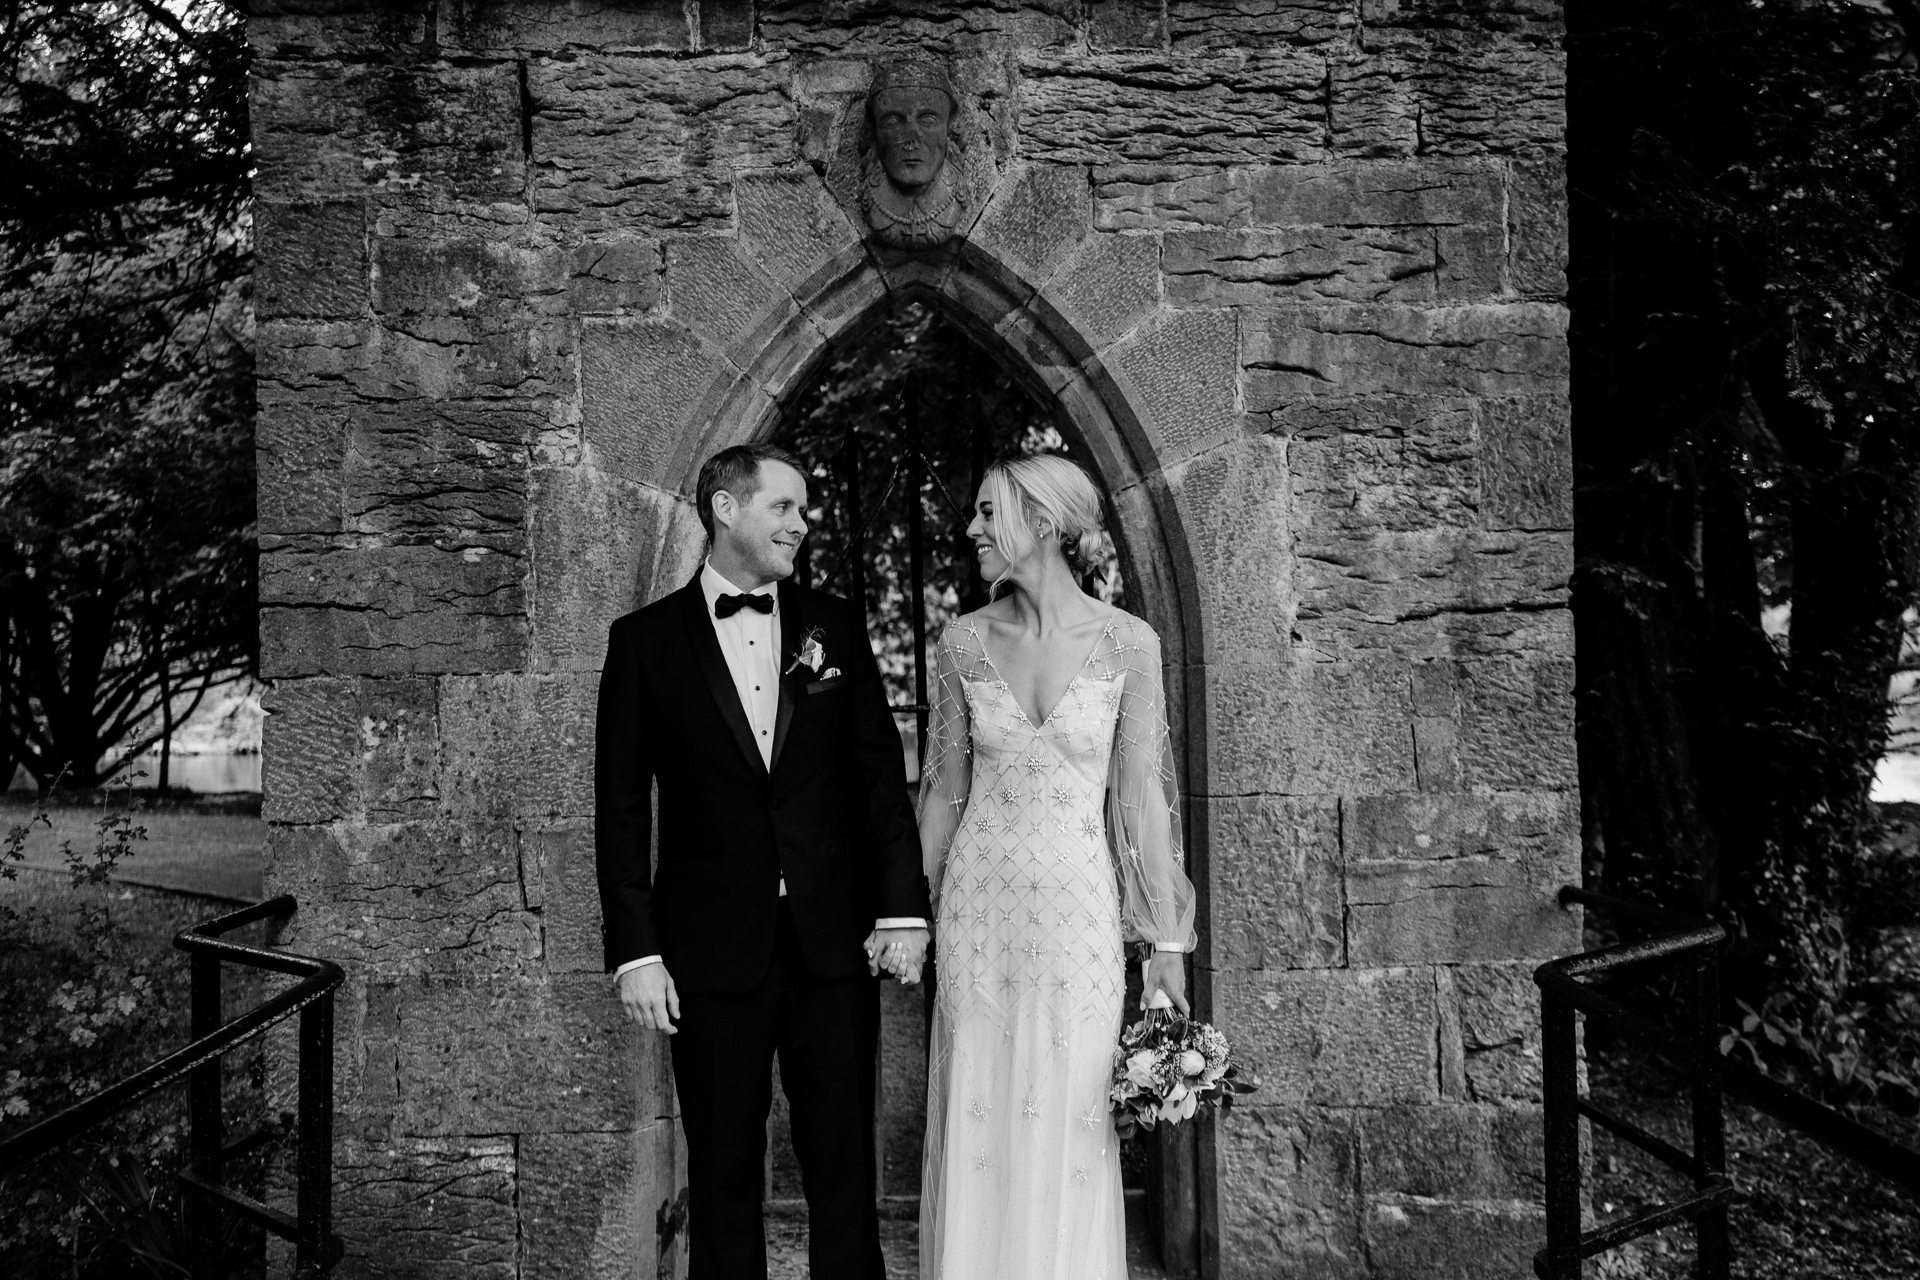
point(126, 481)
point(1745, 181)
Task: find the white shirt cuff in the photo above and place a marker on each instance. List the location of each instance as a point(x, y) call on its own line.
point(900, 922)
point(1170, 946)
point(635, 964)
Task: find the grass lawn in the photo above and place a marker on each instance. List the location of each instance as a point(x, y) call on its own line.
point(208, 845)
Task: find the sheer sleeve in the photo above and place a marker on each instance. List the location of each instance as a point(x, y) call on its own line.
point(946, 774)
point(1157, 899)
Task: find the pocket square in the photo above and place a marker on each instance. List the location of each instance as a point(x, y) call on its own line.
point(832, 680)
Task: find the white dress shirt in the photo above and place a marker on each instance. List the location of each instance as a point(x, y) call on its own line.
point(750, 642)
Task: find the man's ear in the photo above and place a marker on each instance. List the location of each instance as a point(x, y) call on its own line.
point(726, 509)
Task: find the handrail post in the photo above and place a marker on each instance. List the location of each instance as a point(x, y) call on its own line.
point(206, 1124)
point(1714, 1253)
point(314, 1190)
point(1561, 1094)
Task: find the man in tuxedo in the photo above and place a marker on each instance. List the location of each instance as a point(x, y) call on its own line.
point(788, 870)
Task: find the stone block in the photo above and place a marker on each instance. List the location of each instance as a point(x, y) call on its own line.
point(1289, 1194)
point(642, 143)
point(1108, 109)
point(1300, 353)
point(1126, 24)
point(1310, 728)
point(337, 749)
point(639, 385)
point(725, 24)
point(521, 360)
point(1416, 1239)
point(1233, 509)
point(506, 26)
point(1539, 829)
point(388, 610)
point(1451, 1152)
point(454, 472)
point(829, 27)
point(618, 276)
point(461, 276)
point(1472, 263)
point(714, 290)
point(1265, 267)
point(427, 1209)
point(1526, 462)
point(1449, 97)
point(1146, 197)
point(595, 541)
point(1035, 218)
point(409, 899)
point(1198, 25)
point(518, 745)
point(299, 32)
point(1274, 864)
point(1540, 21)
point(558, 865)
point(1382, 465)
point(301, 447)
point(406, 130)
point(1378, 193)
point(1334, 1037)
point(790, 224)
point(514, 1057)
point(1181, 376)
point(1516, 729)
point(588, 1203)
point(1355, 590)
point(1498, 1011)
point(1422, 911)
point(1108, 287)
point(313, 258)
point(1537, 227)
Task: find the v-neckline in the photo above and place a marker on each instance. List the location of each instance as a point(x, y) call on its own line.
point(1078, 672)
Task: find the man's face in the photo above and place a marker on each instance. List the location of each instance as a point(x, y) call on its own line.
point(762, 532)
point(910, 129)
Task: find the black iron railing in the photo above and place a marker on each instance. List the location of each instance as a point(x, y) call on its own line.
point(204, 1196)
point(1694, 1052)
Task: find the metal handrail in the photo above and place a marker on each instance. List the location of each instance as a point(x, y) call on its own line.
point(317, 1248)
point(1695, 1055)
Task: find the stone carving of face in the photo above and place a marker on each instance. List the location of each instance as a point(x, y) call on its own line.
point(910, 133)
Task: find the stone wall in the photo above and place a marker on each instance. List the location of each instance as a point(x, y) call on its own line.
point(1293, 271)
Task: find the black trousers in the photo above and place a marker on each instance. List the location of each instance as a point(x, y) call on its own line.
point(826, 1033)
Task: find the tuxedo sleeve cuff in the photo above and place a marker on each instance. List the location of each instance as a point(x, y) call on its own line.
point(635, 964)
point(900, 922)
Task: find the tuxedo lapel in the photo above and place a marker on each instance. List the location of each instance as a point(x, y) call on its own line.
point(713, 665)
point(793, 627)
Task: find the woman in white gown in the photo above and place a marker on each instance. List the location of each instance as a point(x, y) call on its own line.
point(1047, 819)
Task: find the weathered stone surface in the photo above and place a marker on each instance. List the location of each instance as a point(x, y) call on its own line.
point(1275, 866)
point(1233, 504)
point(714, 290)
point(1415, 1239)
point(514, 744)
point(1450, 98)
point(300, 449)
point(639, 384)
point(1378, 193)
point(311, 31)
point(525, 361)
point(1310, 728)
point(1451, 1152)
point(1196, 25)
point(313, 258)
point(1526, 462)
point(1382, 465)
point(1289, 1194)
point(388, 610)
point(1538, 21)
point(1334, 1036)
point(611, 25)
point(790, 224)
point(619, 276)
point(1302, 353)
point(1472, 263)
point(1537, 227)
point(1474, 908)
point(822, 26)
point(454, 472)
point(1181, 376)
point(557, 866)
point(1036, 217)
point(1517, 724)
point(451, 1200)
point(458, 277)
point(595, 540)
point(1354, 589)
point(412, 898)
point(1106, 109)
point(1109, 286)
point(1498, 1011)
point(337, 748)
point(330, 129)
point(1126, 24)
point(512, 1057)
point(645, 143)
point(1265, 267)
point(1132, 197)
point(588, 1204)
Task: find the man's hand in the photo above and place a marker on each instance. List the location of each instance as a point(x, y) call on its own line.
point(901, 952)
point(648, 994)
point(1167, 971)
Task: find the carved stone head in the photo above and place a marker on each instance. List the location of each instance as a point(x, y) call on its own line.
point(909, 196)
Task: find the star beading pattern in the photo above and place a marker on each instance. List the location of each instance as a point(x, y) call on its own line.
point(1030, 1109)
point(1092, 1119)
point(980, 1108)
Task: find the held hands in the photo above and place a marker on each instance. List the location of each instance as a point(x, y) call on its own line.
point(901, 952)
point(1167, 971)
point(649, 997)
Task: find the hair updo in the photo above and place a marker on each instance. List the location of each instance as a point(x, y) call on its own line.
point(1043, 489)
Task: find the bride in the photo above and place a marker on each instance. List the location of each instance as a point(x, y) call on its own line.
point(1047, 821)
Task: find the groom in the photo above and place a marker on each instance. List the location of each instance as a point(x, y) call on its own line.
point(788, 867)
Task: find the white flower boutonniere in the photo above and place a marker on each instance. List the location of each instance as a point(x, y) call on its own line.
point(811, 654)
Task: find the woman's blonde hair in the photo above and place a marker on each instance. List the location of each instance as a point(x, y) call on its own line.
point(1043, 488)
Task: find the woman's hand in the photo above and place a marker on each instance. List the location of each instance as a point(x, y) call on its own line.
point(1167, 971)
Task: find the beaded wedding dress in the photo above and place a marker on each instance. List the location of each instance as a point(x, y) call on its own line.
point(1047, 847)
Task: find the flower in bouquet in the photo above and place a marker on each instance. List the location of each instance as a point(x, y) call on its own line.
point(1167, 1068)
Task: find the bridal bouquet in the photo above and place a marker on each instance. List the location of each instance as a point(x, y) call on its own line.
point(1166, 1068)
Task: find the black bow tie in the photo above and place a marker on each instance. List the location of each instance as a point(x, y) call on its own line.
point(727, 606)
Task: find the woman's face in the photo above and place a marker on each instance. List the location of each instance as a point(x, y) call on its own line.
point(982, 531)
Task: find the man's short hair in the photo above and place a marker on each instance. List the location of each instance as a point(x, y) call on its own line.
point(737, 470)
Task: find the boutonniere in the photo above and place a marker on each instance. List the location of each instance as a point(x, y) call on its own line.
point(811, 654)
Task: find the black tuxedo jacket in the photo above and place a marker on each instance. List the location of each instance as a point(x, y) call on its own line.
point(831, 815)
